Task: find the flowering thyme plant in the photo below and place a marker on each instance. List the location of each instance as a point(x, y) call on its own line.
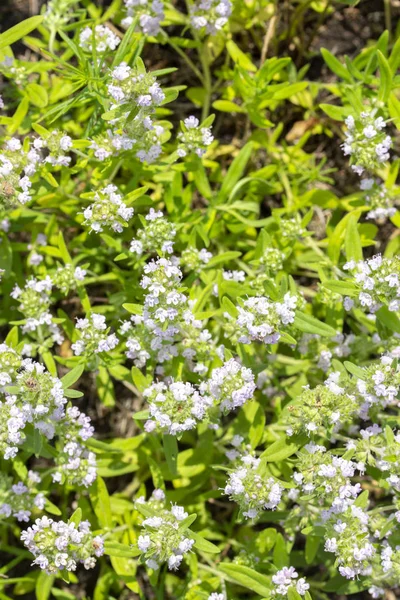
point(200, 316)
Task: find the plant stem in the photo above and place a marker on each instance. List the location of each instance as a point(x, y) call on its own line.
point(388, 16)
point(187, 60)
point(206, 82)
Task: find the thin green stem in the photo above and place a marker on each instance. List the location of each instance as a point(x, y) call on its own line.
point(207, 83)
point(388, 16)
point(52, 39)
point(187, 60)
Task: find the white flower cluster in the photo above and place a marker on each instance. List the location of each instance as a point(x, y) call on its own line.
point(74, 462)
point(164, 539)
point(18, 164)
point(210, 15)
point(166, 327)
point(291, 228)
point(165, 308)
point(150, 13)
point(141, 135)
point(349, 539)
point(378, 281)
point(18, 500)
point(35, 301)
point(179, 406)
point(253, 491)
point(378, 198)
point(175, 408)
point(107, 210)
point(20, 161)
point(322, 474)
point(158, 234)
point(193, 259)
point(193, 138)
point(37, 398)
point(57, 143)
point(135, 95)
point(40, 400)
point(365, 142)
point(94, 336)
point(58, 13)
point(230, 385)
point(135, 88)
point(67, 278)
point(102, 36)
point(260, 318)
point(59, 546)
point(272, 259)
point(380, 386)
point(323, 409)
point(286, 579)
point(322, 350)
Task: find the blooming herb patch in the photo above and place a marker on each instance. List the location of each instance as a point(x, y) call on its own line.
point(200, 318)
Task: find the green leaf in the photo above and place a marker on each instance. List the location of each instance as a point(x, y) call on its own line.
point(336, 66)
point(281, 557)
point(139, 379)
point(18, 31)
point(105, 387)
point(134, 309)
point(222, 258)
point(239, 57)
point(362, 500)
point(76, 516)
point(293, 594)
point(122, 550)
point(37, 95)
point(12, 337)
point(353, 240)
point(309, 324)
point(279, 450)
point(338, 113)
point(229, 307)
point(44, 583)
point(72, 376)
point(394, 58)
point(248, 578)
point(203, 545)
point(171, 453)
point(101, 503)
point(228, 106)
point(389, 319)
point(65, 255)
point(344, 288)
point(312, 545)
point(386, 76)
point(356, 371)
point(235, 171)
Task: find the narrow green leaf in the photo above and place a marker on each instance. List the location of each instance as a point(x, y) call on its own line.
point(171, 453)
point(353, 240)
point(72, 376)
point(336, 66)
point(18, 31)
point(101, 503)
point(385, 84)
point(279, 450)
point(248, 578)
point(235, 171)
point(389, 319)
point(204, 545)
point(309, 324)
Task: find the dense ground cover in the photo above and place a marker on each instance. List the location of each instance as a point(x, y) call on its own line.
point(200, 317)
